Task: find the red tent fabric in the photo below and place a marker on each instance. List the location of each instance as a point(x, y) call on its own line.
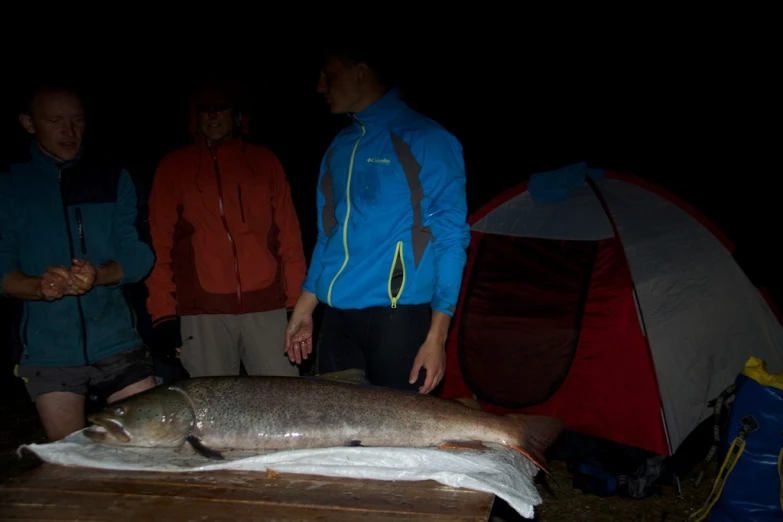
point(585, 310)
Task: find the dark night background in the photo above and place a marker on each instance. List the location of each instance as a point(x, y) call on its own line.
point(688, 112)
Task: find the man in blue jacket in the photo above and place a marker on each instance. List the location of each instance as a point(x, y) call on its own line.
point(69, 240)
point(392, 234)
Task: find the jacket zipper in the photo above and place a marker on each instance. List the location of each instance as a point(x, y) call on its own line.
point(228, 231)
point(83, 323)
point(80, 230)
point(397, 273)
point(347, 211)
point(241, 206)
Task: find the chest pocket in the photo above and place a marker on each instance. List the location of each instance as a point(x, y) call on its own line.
point(377, 179)
point(381, 182)
point(253, 197)
point(200, 200)
point(40, 232)
point(91, 226)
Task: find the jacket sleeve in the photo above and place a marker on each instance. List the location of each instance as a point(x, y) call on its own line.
point(316, 266)
point(9, 254)
point(444, 211)
point(289, 235)
point(133, 254)
point(162, 302)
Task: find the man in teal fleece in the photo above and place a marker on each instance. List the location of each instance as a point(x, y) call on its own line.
point(69, 241)
point(392, 233)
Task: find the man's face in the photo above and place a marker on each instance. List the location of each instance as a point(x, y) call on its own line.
point(340, 85)
point(57, 122)
point(216, 121)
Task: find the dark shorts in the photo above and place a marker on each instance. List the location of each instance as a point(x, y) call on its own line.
point(102, 378)
point(382, 341)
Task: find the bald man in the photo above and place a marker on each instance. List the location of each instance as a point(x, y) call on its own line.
point(69, 241)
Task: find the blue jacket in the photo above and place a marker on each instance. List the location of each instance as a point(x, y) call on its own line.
point(51, 213)
point(391, 213)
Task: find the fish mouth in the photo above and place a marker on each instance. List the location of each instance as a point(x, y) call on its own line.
point(106, 430)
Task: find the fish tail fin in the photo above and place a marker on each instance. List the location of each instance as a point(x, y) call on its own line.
point(536, 434)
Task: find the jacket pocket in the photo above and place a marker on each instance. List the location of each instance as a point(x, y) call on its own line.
point(396, 282)
point(241, 203)
point(80, 231)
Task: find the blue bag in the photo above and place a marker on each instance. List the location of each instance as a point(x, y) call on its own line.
point(748, 486)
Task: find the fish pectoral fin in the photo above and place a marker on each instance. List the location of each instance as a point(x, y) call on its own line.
point(474, 445)
point(536, 434)
point(470, 402)
point(352, 376)
point(203, 450)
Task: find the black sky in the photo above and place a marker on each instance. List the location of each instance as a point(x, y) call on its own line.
point(681, 112)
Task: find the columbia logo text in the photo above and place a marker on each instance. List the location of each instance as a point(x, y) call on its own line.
point(381, 161)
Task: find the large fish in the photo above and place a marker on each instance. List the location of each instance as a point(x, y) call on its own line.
point(284, 413)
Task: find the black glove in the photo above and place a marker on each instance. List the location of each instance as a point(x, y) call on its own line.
point(166, 337)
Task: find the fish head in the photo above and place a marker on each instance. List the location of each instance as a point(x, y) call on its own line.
point(160, 417)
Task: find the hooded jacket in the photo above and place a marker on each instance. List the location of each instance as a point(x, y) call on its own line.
point(224, 230)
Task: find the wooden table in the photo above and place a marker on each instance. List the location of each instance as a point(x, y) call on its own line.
point(51, 493)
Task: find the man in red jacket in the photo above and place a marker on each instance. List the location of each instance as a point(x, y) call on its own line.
point(229, 257)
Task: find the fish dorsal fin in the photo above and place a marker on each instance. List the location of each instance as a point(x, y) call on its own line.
point(352, 376)
point(470, 402)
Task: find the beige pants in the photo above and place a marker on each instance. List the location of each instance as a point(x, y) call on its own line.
point(215, 344)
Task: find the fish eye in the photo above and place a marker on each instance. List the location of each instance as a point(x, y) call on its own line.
point(119, 410)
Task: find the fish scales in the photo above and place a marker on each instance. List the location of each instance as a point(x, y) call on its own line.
point(284, 413)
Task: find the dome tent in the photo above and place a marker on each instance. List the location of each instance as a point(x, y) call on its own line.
point(601, 299)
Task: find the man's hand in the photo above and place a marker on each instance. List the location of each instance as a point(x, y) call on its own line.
point(55, 283)
point(299, 333)
point(299, 337)
point(84, 276)
point(431, 357)
point(432, 354)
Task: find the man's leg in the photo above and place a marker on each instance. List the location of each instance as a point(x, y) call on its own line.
point(61, 413)
point(340, 341)
point(209, 346)
point(262, 343)
point(394, 340)
point(123, 374)
point(58, 394)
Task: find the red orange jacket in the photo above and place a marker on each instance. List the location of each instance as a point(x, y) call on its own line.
point(225, 233)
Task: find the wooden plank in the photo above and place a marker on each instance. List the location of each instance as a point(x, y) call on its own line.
point(59, 493)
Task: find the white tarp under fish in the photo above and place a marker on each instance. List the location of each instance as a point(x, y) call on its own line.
point(497, 470)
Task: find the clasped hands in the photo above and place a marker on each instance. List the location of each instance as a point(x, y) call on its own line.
point(59, 281)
